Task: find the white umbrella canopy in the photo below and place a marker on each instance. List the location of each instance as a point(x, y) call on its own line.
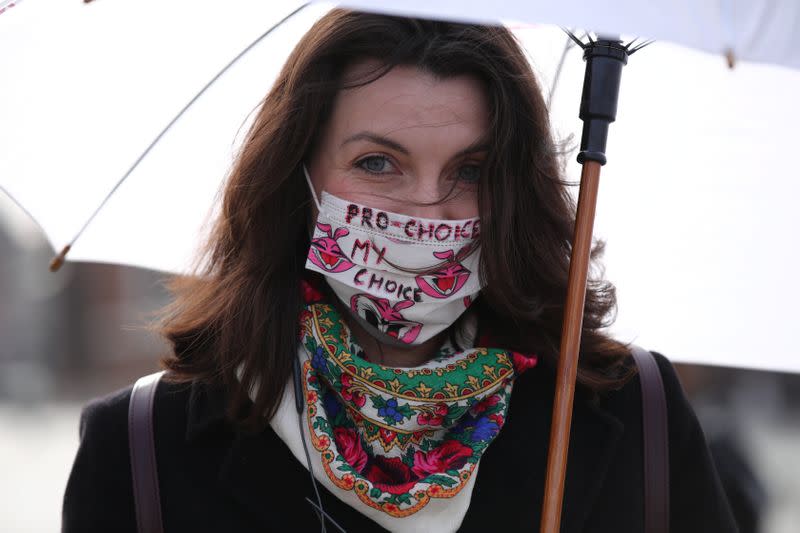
point(754, 30)
point(694, 202)
point(94, 84)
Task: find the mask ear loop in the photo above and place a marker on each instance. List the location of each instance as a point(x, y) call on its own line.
point(298, 402)
point(311, 188)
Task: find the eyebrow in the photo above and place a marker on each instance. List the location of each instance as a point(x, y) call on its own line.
point(478, 146)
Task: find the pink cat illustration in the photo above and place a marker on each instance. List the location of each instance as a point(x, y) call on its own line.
point(449, 278)
point(325, 251)
point(378, 313)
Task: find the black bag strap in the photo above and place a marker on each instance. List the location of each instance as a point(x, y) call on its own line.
point(656, 443)
point(141, 441)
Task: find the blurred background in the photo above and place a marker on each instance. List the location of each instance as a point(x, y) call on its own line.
point(82, 332)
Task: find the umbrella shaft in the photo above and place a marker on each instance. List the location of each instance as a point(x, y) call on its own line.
point(570, 346)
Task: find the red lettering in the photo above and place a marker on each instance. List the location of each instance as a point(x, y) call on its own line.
point(382, 220)
point(375, 281)
point(352, 211)
point(380, 253)
point(410, 224)
point(366, 217)
point(361, 246)
point(405, 293)
point(464, 233)
point(422, 231)
point(438, 232)
point(357, 277)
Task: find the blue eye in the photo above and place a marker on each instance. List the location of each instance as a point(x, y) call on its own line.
point(375, 164)
point(470, 173)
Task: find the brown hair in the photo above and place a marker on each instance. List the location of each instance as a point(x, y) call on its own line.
point(242, 305)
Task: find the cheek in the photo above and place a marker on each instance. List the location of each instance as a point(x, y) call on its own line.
point(464, 205)
point(348, 186)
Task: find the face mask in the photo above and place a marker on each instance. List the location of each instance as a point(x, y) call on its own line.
point(366, 254)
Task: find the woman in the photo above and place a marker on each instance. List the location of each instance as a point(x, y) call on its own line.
point(397, 206)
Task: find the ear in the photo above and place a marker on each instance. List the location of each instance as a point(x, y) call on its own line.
point(340, 232)
point(447, 254)
point(402, 304)
point(324, 227)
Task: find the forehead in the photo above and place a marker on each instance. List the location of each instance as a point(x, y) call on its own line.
point(411, 105)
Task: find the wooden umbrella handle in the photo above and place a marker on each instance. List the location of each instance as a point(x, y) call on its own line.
point(570, 347)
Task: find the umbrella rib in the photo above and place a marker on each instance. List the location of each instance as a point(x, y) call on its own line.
point(567, 46)
point(640, 46)
point(575, 39)
point(58, 260)
point(628, 46)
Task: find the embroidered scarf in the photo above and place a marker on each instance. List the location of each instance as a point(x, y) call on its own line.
point(400, 437)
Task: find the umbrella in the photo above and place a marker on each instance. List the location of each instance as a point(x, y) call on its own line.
point(755, 31)
point(711, 227)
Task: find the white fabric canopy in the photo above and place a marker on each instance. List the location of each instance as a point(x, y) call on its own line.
point(764, 31)
point(696, 202)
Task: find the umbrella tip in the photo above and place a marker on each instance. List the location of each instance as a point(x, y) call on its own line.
point(58, 260)
point(730, 57)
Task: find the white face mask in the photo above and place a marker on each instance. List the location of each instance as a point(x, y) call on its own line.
point(359, 250)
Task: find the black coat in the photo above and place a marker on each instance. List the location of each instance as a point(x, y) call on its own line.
point(214, 479)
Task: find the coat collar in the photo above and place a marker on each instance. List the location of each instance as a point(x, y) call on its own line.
point(206, 410)
point(248, 459)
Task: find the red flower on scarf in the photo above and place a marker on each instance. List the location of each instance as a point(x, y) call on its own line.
point(486, 403)
point(450, 455)
point(390, 474)
point(433, 419)
point(349, 445)
point(305, 316)
point(523, 362)
point(498, 419)
point(355, 396)
point(520, 361)
point(310, 293)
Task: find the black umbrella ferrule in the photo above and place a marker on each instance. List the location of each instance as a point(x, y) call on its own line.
point(604, 58)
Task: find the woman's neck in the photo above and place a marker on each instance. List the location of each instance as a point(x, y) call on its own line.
point(391, 354)
point(383, 353)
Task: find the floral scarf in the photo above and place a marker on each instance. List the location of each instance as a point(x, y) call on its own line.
point(399, 437)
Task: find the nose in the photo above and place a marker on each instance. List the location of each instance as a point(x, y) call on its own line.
point(430, 196)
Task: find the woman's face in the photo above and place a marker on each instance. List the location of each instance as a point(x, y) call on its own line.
point(403, 141)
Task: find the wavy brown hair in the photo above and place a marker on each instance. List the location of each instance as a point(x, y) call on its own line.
point(242, 305)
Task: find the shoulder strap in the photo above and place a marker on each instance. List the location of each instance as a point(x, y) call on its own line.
point(656, 443)
point(141, 442)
